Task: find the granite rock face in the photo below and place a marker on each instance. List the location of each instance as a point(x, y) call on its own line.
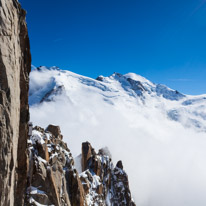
point(54, 180)
point(15, 65)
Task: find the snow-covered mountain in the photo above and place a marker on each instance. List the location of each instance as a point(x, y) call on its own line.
point(53, 84)
point(159, 133)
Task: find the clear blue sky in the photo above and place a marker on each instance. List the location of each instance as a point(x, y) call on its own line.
point(163, 40)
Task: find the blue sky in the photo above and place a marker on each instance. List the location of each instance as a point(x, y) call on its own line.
point(162, 40)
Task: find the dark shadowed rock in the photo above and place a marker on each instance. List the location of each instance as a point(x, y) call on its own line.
point(86, 154)
point(100, 78)
point(119, 164)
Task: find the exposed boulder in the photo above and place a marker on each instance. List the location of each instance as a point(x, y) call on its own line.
point(55, 131)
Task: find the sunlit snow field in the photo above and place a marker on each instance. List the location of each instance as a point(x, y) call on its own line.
point(159, 135)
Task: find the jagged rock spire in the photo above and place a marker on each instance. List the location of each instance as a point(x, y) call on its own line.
point(53, 179)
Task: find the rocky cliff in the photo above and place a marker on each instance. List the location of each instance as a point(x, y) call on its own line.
point(54, 180)
point(15, 63)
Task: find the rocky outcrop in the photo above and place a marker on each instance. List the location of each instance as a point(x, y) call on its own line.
point(52, 177)
point(54, 180)
point(15, 65)
point(120, 184)
point(104, 184)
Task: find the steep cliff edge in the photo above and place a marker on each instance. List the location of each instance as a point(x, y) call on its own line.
point(15, 65)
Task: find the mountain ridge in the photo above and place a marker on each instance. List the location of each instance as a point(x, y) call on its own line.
point(132, 85)
point(130, 75)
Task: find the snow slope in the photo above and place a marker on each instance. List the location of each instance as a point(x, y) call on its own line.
point(159, 133)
